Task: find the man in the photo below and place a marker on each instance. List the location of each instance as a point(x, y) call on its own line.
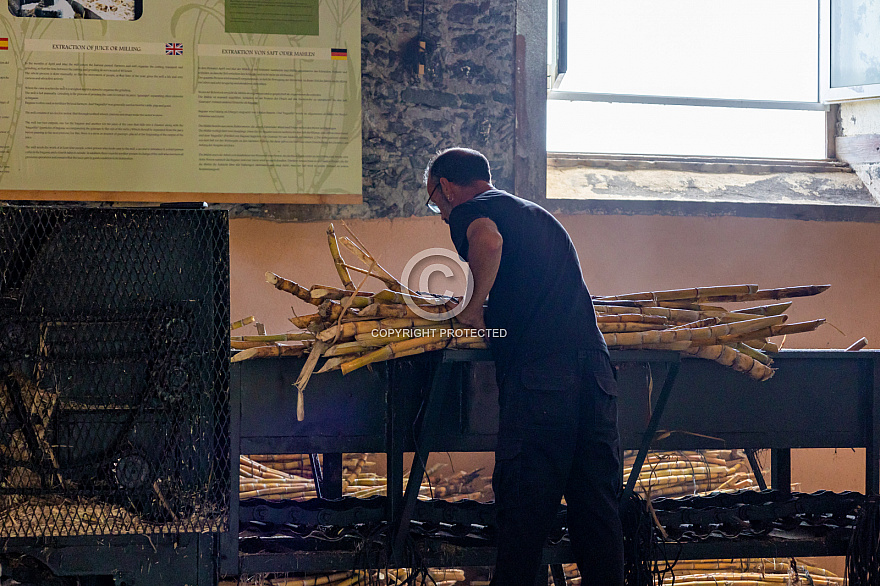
point(557, 394)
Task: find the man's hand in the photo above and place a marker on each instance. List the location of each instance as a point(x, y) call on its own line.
point(472, 316)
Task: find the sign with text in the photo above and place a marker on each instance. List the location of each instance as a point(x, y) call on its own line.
point(239, 102)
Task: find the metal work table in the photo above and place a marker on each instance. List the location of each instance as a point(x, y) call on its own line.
point(447, 401)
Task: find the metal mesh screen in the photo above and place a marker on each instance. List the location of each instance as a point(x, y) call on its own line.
point(114, 371)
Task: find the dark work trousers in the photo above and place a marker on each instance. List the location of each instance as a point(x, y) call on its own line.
point(558, 436)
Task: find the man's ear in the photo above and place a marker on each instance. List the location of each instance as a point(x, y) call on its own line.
point(447, 189)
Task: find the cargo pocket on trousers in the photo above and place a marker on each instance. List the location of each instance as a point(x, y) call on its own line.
point(506, 477)
point(550, 396)
point(605, 375)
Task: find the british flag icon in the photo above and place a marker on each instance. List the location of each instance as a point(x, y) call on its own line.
point(174, 48)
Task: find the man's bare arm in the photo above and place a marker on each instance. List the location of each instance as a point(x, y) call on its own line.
point(484, 258)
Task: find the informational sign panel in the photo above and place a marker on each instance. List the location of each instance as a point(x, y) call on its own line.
point(242, 101)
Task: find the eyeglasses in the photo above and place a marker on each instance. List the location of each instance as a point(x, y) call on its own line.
point(430, 204)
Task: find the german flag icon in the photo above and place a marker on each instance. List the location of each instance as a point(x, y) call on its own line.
point(338, 54)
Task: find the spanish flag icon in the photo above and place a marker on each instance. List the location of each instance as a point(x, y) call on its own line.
point(338, 54)
point(4, 44)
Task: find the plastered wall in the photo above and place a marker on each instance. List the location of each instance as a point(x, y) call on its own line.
point(862, 117)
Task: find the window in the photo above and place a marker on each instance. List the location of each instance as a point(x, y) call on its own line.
point(686, 77)
point(850, 50)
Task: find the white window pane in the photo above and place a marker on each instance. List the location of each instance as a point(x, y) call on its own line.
point(599, 127)
point(700, 48)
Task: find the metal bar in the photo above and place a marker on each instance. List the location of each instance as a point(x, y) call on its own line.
point(684, 101)
point(872, 451)
point(317, 474)
point(430, 410)
point(756, 469)
point(780, 469)
point(558, 575)
point(332, 476)
point(648, 435)
point(394, 444)
point(562, 37)
point(228, 542)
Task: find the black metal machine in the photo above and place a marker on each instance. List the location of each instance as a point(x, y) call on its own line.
point(121, 421)
point(114, 374)
point(816, 399)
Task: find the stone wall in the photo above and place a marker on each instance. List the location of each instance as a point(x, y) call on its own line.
point(464, 98)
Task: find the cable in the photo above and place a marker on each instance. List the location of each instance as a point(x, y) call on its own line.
point(863, 553)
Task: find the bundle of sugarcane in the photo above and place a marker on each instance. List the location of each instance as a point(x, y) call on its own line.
point(347, 578)
point(274, 471)
point(684, 473)
point(290, 476)
point(690, 321)
point(258, 480)
point(460, 485)
point(352, 328)
point(745, 572)
point(757, 572)
point(301, 465)
point(388, 577)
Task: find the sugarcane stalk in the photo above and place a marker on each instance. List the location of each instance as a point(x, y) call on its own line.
point(773, 309)
point(679, 316)
point(782, 293)
point(388, 296)
point(396, 350)
point(242, 322)
point(304, 322)
point(858, 345)
point(694, 294)
point(356, 301)
point(737, 360)
point(762, 346)
point(631, 317)
point(270, 351)
point(283, 284)
point(769, 294)
point(749, 351)
point(348, 348)
point(304, 375)
point(311, 581)
point(336, 362)
point(279, 457)
point(326, 292)
point(337, 259)
point(678, 335)
point(239, 345)
point(414, 322)
point(687, 306)
point(379, 272)
point(611, 328)
point(347, 330)
point(778, 330)
point(702, 323)
point(275, 338)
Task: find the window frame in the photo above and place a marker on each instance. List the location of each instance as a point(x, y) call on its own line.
point(557, 66)
point(530, 146)
point(828, 94)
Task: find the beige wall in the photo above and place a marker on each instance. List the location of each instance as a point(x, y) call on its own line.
point(621, 254)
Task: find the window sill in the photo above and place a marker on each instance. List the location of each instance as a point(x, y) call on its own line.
point(617, 184)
